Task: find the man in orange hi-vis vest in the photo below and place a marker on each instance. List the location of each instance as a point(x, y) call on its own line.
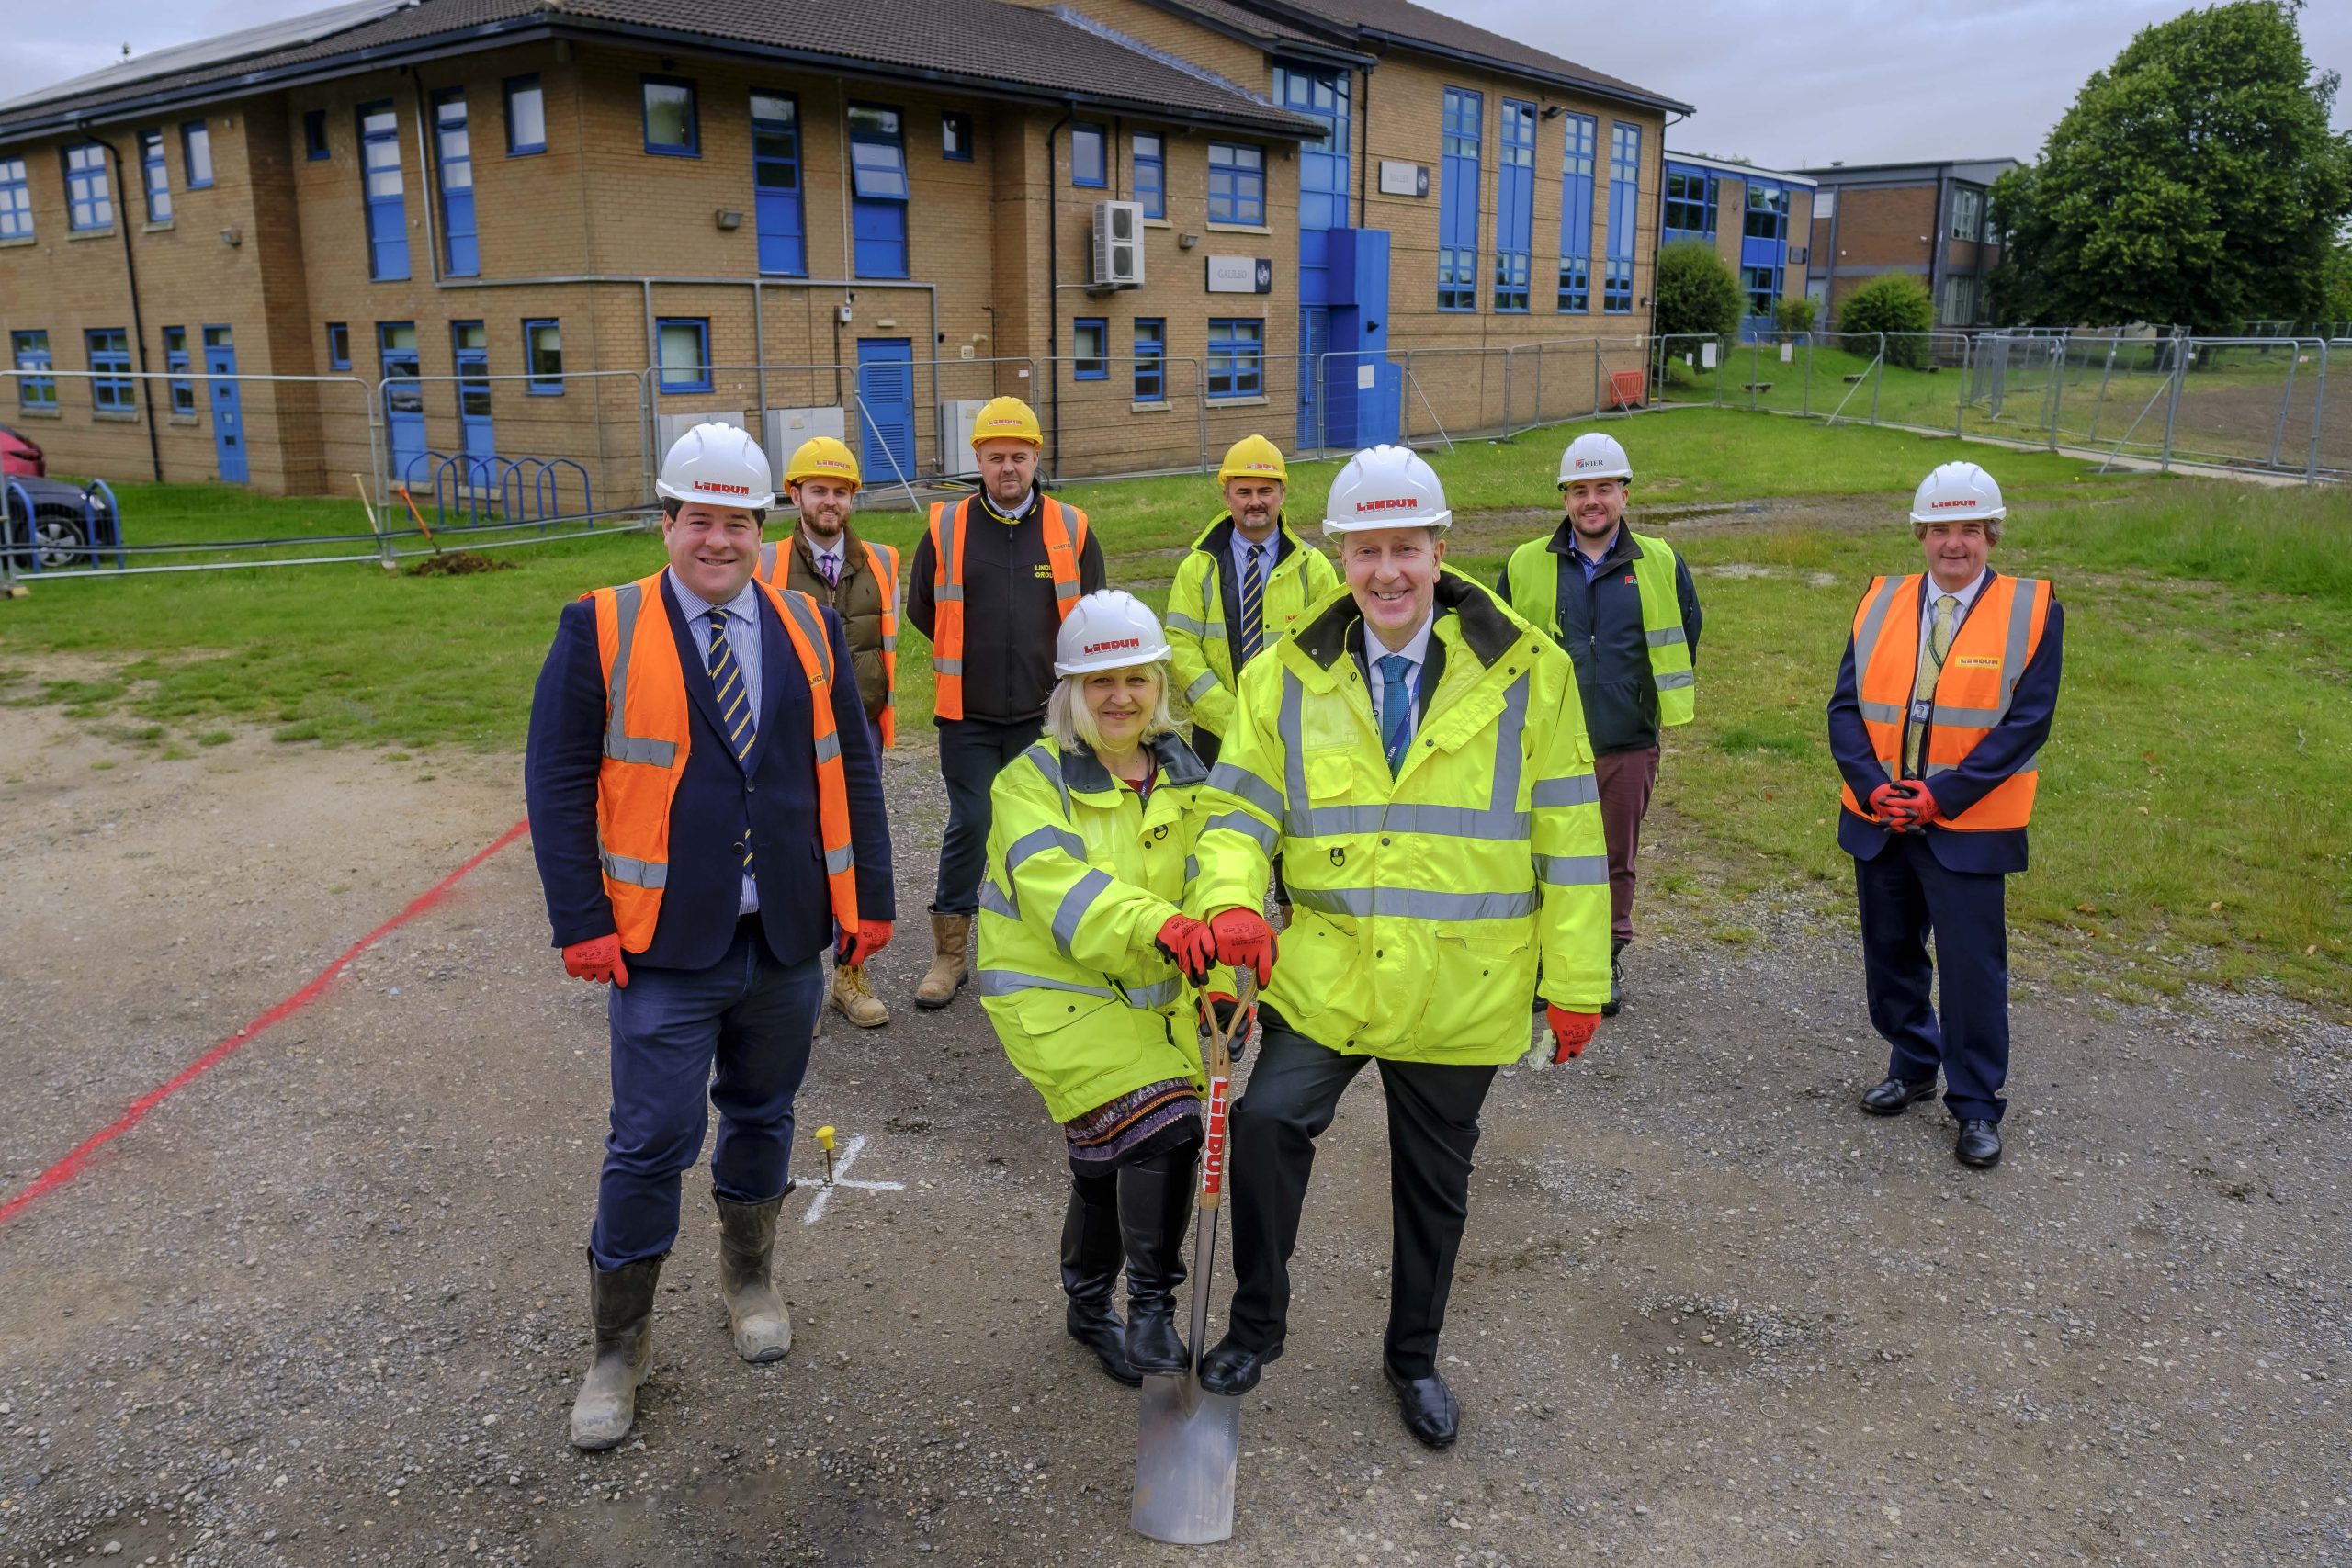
point(697, 752)
point(991, 580)
point(1941, 709)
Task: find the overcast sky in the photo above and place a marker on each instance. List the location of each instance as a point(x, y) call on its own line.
point(1782, 84)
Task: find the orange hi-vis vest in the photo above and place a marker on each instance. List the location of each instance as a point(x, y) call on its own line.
point(883, 561)
point(1065, 540)
point(1994, 642)
point(648, 731)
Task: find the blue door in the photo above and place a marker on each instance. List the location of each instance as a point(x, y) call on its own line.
point(471, 344)
point(886, 401)
point(1314, 340)
point(228, 412)
point(403, 403)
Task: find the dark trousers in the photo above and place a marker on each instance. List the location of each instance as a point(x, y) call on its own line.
point(1432, 1127)
point(749, 1017)
point(972, 751)
point(1625, 779)
point(1905, 894)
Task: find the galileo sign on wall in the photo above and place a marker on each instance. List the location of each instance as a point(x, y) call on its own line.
point(1240, 275)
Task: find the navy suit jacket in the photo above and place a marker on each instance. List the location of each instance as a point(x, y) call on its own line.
point(773, 798)
point(2008, 746)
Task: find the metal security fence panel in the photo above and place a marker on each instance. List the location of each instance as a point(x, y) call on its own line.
point(1133, 414)
point(2234, 404)
point(475, 450)
point(1452, 394)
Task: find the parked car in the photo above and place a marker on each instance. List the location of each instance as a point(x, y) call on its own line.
point(67, 527)
point(19, 455)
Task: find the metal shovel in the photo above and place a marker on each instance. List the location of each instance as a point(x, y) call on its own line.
point(1188, 1440)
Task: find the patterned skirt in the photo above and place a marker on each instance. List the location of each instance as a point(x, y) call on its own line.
point(1137, 1125)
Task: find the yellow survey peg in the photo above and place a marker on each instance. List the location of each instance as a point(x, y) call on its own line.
point(825, 1142)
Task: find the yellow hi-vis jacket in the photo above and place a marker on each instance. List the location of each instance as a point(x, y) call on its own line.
point(1200, 634)
point(1422, 903)
point(1080, 878)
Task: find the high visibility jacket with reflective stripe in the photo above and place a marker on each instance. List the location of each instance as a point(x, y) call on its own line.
point(1065, 529)
point(1080, 878)
point(1422, 903)
point(1198, 638)
point(1534, 577)
point(649, 731)
point(882, 561)
point(1989, 652)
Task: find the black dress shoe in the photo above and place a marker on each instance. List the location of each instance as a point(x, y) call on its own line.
point(1893, 1095)
point(1232, 1368)
point(1427, 1407)
point(1980, 1143)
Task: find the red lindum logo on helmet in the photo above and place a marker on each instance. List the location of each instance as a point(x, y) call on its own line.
point(1390, 503)
point(720, 488)
point(1113, 646)
point(1955, 500)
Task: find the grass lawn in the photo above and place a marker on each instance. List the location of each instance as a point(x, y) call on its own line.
point(2182, 833)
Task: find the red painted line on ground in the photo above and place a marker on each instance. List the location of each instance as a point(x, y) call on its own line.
point(69, 1168)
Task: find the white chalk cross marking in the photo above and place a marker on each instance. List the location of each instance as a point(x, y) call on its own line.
point(841, 1162)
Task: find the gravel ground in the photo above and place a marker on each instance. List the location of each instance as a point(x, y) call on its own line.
point(326, 1305)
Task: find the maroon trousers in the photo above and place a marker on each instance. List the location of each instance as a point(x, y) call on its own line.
point(1625, 779)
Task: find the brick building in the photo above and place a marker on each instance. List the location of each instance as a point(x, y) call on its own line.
point(1759, 220)
point(1928, 220)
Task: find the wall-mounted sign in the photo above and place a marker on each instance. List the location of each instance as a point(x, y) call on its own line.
point(1240, 275)
point(1403, 179)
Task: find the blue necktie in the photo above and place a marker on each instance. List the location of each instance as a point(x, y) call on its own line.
point(1396, 709)
point(1253, 603)
point(734, 706)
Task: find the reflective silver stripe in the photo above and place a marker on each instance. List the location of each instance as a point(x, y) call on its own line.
point(1042, 761)
point(948, 666)
point(634, 873)
point(1572, 870)
point(1885, 713)
point(1182, 623)
point(1932, 769)
point(890, 643)
point(1075, 902)
point(1038, 839)
point(1442, 821)
point(1011, 982)
point(1066, 590)
point(1233, 779)
point(1577, 789)
point(1192, 693)
point(829, 747)
point(840, 860)
point(996, 901)
point(767, 562)
point(1192, 868)
point(620, 744)
point(1288, 729)
point(1162, 995)
point(2013, 654)
point(1509, 764)
point(1666, 639)
point(1417, 904)
point(803, 609)
point(953, 591)
point(950, 580)
point(1243, 823)
point(1676, 679)
point(1967, 718)
point(1874, 622)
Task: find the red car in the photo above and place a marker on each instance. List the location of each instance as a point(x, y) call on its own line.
point(19, 455)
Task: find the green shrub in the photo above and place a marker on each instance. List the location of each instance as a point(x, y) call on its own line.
point(1796, 313)
point(1893, 303)
point(1696, 292)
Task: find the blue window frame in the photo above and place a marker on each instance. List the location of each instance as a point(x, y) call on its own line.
point(1237, 358)
point(314, 135)
point(1151, 174)
point(1624, 184)
point(1090, 341)
point(195, 154)
point(1515, 206)
point(16, 201)
point(1320, 94)
point(470, 350)
point(1690, 205)
point(1088, 166)
point(380, 173)
point(36, 389)
point(110, 370)
point(155, 176)
point(1237, 183)
point(775, 184)
point(681, 346)
point(1576, 212)
point(175, 362)
point(1457, 219)
point(453, 144)
point(543, 357)
point(338, 346)
point(1151, 359)
point(527, 116)
point(89, 199)
point(955, 137)
point(1762, 285)
point(878, 160)
point(671, 129)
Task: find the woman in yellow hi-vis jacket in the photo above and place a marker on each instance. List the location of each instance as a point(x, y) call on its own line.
point(1087, 965)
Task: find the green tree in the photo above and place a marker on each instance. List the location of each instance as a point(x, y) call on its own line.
point(2194, 181)
point(2336, 287)
point(1897, 304)
point(1696, 292)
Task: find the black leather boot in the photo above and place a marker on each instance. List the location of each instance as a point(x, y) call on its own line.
point(1616, 979)
point(1155, 1202)
point(1090, 1258)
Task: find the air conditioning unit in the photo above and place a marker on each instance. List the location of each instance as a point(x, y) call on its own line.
point(956, 422)
point(1118, 244)
point(785, 428)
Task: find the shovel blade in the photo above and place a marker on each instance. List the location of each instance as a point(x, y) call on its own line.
point(1189, 1441)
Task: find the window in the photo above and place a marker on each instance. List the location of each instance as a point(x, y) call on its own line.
point(89, 201)
point(1318, 93)
point(155, 176)
point(1763, 287)
point(469, 348)
point(1690, 203)
point(1624, 185)
point(1576, 213)
point(314, 135)
point(683, 348)
point(1457, 221)
point(1151, 359)
point(877, 160)
point(379, 168)
point(196, 152)
point(1151, 175)
point(543, 359)
point(1824, 203)
point(1767, 212)
point(527, 116)
point(16, 201)
point(338, 346)
point(36, 389)
point(1086, 165)
point(775, 183)
point(1960, 302)
point(455, 147)
point(110, 370)
point(175, 361)
point(1967, 213)
point(396, 352)
point(1514, 206)
point(671, 128)
point(955, 137)
point(1237, 184)
point(1088, 336)
point(1237, 358)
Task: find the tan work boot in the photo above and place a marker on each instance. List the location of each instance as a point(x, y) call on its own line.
point(760, 1321)
point(854, 1002)
point(620, 1302)
point(948, 971)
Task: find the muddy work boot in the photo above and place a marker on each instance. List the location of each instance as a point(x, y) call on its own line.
point(948, 971)
point(756, 1315)
point(1616, 979)
point(620, 1302)
point(1091, 1260)
point(854, 1002)
point(1155, 1202)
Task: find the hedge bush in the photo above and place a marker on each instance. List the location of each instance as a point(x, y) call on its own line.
point(1696, 292)
point(1795, 313)
point(1893, 303)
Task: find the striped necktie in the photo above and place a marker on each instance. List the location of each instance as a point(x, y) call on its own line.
point(734, 703)
point(1253, 604)
point(1923, 684)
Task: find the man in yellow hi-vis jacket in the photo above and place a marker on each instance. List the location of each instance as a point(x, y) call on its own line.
point(1417, 756)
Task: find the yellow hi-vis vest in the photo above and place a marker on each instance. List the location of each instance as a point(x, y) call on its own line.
point(1534, 577)
point(1200, 644)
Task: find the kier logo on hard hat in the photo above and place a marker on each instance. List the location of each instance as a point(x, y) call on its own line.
point(1113, 646)
point(721, 489)
point(1592, 462)
point(1390, 503)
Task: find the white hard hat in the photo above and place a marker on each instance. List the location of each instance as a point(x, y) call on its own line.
point(1957, 491)
point(1385, 487)
point(1595, 455)
point(1108, 629)
point(717, 465)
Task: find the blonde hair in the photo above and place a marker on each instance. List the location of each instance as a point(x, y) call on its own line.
point(1071, 722)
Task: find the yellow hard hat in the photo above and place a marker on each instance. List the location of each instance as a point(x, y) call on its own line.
point(822, 458)
point(1253, 458)
point(1007, 419)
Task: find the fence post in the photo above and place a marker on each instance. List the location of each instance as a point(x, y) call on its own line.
point(1804, 410)
point(1959, 398)
point(2057, 389)
point(2172, 404)
point(2278, 427)
point(2319, 402)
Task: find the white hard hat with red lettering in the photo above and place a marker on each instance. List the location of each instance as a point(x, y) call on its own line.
point(1108, 629)
point(1595, 455)
point(719, 465)
point(1385, 487)
point(1957, 491)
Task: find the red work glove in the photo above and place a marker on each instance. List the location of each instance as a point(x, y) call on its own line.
point(598, 961)
point(1189, 945)
point(1892, 804)
point(1572, 1029)
point(1921, 803)
point(871, 938)
point(1243, 937)
point(1217, 1008)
